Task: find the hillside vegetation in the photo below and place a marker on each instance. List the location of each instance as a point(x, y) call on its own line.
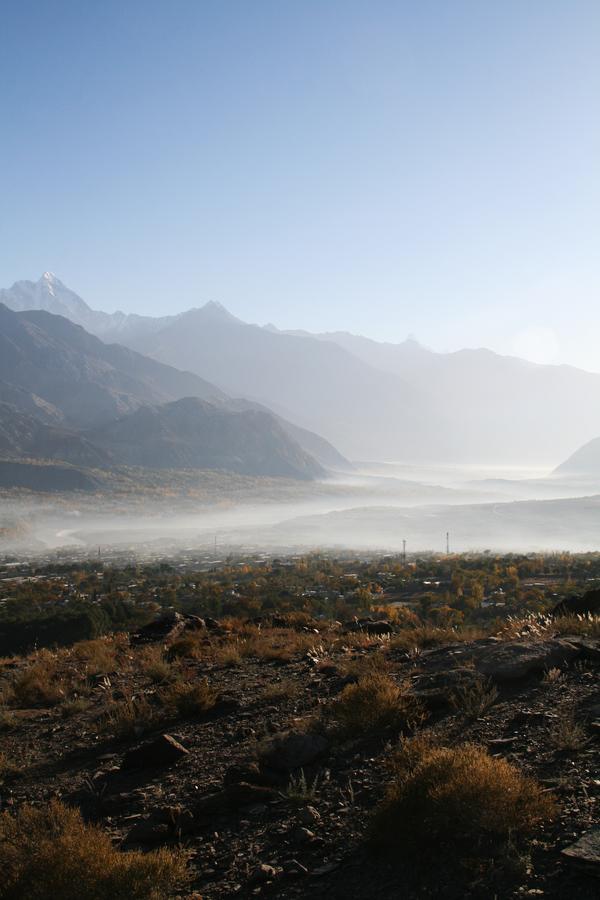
point(438, 748)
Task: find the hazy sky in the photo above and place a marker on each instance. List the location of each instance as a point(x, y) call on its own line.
point(426, 167)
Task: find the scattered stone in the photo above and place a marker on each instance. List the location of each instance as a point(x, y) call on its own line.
point(263, 873)
point(294, 869)
point(302, 835)
point(309, 815)
point(163, 751)
point(586, 851)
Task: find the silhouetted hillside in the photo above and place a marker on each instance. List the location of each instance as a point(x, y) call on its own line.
point(192, 434)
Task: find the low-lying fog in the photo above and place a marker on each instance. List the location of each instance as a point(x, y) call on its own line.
point(375, 507)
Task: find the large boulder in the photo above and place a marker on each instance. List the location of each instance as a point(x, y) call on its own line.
point(166, 627)
point(162, 751)
point(587, 604)
point(514, 660)
point(371, 626)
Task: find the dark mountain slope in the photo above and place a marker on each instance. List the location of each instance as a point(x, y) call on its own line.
point(24, 436)
point(90, 382)
point(191, 434)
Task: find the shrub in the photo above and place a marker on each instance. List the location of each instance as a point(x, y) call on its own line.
point(73, 707)
point(426, 636)
point(375, 702)
point(370, 664)
point(153, 664)
point(475, 697)
point(281, 690)
point(567, 734)
point(99, 656)
point(50, 852)
point(8, 720)
point(444, 798)
point(186, 647)
point(231, 655)
point(129, 717)
point(39, 684)
point(185, 698)
point(7, 767)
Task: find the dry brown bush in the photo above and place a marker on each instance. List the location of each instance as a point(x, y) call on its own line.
point(39, 684)
point(51, 853)
point(586, 626)
point(442, 798)
point(475, 697)
point(74, 707)
point(7, 767)
point(425, 636)
point(375, 702)
point(99, 656)
point(369, 664)
point(231, 654)
point(278, 644)
point(185, 698)
point(152, 663)
point(281, 690)
point(568, 735)
point(128, 717)
point(187, 647)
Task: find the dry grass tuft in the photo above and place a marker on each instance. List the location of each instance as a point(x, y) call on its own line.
point(184, 698)
point(374, 703)
point(187, 647)
point(443, 798)
point(278, 645)
point(39, 684)
point(7, 768)
point(281, 690)
point(51, 853)
point(232, 654)
point(370, 664)
point(474, 698)
point(74, 707)
point(568, 735)
point(153, 665)
point(99, 656)
point(426, 636)
point(129, 717)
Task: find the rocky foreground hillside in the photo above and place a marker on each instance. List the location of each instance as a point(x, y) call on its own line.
point(290, 758)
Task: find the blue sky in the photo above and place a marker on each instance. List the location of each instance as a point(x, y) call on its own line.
point(388, 168)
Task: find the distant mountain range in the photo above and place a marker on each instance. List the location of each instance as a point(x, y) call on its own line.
point(369, 400)
point(65, 395)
